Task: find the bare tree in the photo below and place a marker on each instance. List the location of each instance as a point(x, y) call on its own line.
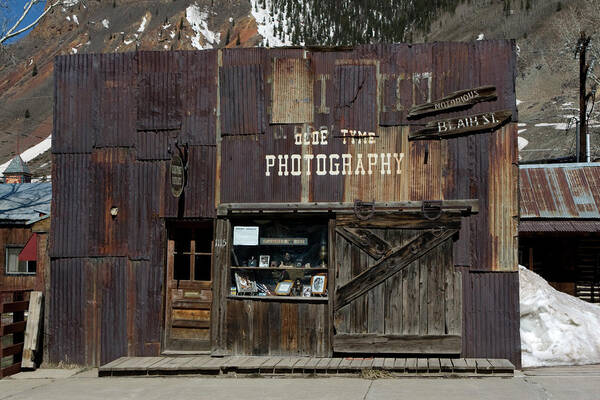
point(9, 29)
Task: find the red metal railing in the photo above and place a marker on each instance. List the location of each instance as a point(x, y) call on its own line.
point(13, 304)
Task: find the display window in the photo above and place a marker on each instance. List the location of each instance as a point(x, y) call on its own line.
point(279, 257)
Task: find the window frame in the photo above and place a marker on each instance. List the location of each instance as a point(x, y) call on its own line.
point(27, 263)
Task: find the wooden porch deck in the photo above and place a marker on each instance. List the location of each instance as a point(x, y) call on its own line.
point(305, 366)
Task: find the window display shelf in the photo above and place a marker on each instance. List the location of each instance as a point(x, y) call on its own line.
point(281, 268)
point(281, 298)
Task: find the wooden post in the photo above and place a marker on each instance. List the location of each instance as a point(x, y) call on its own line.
point(30, 347)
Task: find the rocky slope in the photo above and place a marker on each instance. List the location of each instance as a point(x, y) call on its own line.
point(546, 80)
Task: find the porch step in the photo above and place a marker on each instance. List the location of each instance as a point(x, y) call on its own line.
point(313, 366)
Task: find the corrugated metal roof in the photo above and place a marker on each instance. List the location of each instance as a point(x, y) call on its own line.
point(559, 226)
point(24, 202)
point(560, 190)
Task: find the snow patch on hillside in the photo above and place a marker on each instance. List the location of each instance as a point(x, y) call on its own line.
point(69, 3)
point(522, 142)
point(105, 23)
point(556, 329)
point(557, 125)
point(142, 25)
point(267, 24)
point(75, 19)
point(198, 20)
point(31, 152)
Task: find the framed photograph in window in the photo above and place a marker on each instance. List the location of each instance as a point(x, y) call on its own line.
point(284, 288)
point(263, 261)
point(244, 284)
point(318, 284)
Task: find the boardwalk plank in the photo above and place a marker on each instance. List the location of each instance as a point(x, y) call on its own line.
point(421, 365)
point(411, 365)
point(445, 365)
point(501, 366)
point(388, 363)
point(433, 365)
point(483, 366)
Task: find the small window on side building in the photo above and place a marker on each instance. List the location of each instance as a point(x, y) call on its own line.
point(16, 267)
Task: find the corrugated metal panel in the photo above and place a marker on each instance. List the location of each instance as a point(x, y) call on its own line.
point(154, 145)
point(71, 194)
point(242, 91)
point(560, 191)
point(117, 98)
point(558, 226)
point(243, 180)
point(292, 91)
point(159, 101)
point(491, 315)
point(199, 96)
point(111, 189)
point(356, 95)
point(75, 105)
point(200, 189)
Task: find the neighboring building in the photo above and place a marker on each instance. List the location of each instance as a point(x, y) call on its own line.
point(559, 231)
point(206, 201)
point(24, 228)
point(17, 171)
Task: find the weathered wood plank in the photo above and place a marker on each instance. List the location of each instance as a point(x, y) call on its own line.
point(11, 350)
point(366, 241)
point(433, 365)
point(310, 365)
point(411, 365)
point(483, 366)
point(398, 259)
point(322, 365)
point(423, 298)
point(445, 365)
point(114, 363)
point(422, 365)
point(454, 101)
point(14, 306)
point(471, 363)
point(407, 344)
point(333, 365)
point(460, 365)
point(367, 363)
point(388, 363)
point(400, 365)
point(344, 365)
point(378, 363)
point(501, 365)
point(477, 123)
point(269, 365)
point(286, 364)
point(401, 220)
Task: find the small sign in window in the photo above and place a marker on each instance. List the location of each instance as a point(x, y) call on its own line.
point(245, 236)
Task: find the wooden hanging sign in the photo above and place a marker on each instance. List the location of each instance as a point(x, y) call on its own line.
point(457, 100)
point(177, 175)
point(455, 126)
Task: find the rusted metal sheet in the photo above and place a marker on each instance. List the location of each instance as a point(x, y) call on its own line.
point(116, 114)
point(103, 308)
point(356, 105)
point(198, 96)
point(292, 97)
point(75, 104)
point(533, 226)
point(491, 315)
point(242, 99)
point(71, 195)
point(560, 190)
point(159, 101)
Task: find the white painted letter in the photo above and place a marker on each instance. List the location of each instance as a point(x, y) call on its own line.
point(308, 157)
point(296, 167)
point(372, 162)
point(398, 158)
point(334, 167)
point(346, 164)
point(270, 160)
point(359, 165)
point(321, 164)
point(386, 164)
point(283, 164)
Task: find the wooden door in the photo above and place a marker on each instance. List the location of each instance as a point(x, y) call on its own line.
point(189, 286)
point(396, 290)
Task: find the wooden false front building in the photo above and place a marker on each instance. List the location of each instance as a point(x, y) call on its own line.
point(286, 202)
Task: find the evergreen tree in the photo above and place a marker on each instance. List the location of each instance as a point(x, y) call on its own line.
point(34, 70)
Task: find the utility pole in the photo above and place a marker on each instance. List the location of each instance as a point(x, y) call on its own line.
point(582, 45)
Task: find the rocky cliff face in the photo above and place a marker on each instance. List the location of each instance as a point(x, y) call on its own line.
point(546, 80)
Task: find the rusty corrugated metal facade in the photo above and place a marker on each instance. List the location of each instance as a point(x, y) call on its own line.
point(560, 191)
point(119, 117)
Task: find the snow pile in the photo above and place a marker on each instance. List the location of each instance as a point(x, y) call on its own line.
point(266, 24)
point(32, 152)
point(561, 126)
point(556, 329)
point(75, 19)
point(105, 23)
point(197, 19)
point(481, 36)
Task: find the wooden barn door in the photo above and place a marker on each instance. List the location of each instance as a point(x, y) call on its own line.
point(189, 286)
point(396, 290)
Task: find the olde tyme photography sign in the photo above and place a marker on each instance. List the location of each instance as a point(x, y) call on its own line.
point(469, 124)
point(177, 176)
point(454, 101)
point(323, 163)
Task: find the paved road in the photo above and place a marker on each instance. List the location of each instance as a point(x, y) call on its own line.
point(572, 383)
